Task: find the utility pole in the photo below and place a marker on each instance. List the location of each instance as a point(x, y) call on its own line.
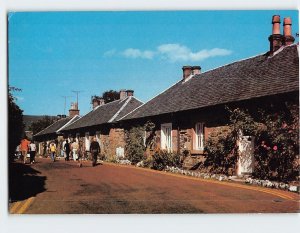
point(65, 97)
point(77, 92)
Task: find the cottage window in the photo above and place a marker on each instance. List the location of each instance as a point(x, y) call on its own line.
point(87, 141)
point(199, 136)
point(166, 137)
point(145, 138)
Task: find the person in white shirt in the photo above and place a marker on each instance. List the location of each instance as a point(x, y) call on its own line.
point(32, 150)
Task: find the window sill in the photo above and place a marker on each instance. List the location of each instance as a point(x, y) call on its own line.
point(197, 152)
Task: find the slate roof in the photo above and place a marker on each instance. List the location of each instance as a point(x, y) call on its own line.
point(58, 125)
point(258, 76)
point(107, 113)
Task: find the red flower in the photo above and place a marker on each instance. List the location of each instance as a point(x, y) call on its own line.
point(275, 148)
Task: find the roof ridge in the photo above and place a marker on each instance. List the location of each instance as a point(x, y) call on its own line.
point(241, 60)
point(99, 106)
point(118, 112)
point(68, 123)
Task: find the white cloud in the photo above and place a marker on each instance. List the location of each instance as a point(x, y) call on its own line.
point(177, 52)
point(172, 53)
point(136, 53)
point(109, 53)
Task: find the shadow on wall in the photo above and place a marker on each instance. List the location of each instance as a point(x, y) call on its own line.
point(24, 182)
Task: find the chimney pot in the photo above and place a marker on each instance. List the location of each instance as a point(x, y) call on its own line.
point(276, 24)
point(276, 39)
point(287, 31)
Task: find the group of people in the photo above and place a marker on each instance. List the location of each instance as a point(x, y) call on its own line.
point(74, 148)
point(26, 146)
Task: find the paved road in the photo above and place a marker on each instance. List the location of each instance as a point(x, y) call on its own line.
point(63, 187)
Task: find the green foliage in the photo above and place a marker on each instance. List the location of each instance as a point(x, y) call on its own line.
point(41, 124)
point(135, 145)
point(138, 139)
point(110, 96)
point(162, 158)
point(15, 123)
point(221, 152)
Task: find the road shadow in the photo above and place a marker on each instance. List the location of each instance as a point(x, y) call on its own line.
point(24, 182)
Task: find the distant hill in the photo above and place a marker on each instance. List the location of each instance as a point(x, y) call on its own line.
point(28, 119)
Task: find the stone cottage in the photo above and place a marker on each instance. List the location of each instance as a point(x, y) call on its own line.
point(186, 113)
point(102, 123)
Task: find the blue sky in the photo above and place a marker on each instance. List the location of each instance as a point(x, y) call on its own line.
point(53, 53)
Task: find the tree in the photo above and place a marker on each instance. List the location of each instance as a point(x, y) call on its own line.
point(41, 124)
point(110, 96)
point(15, 123)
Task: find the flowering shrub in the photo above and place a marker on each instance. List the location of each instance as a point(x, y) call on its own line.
point(277, 146)
point(276, 143)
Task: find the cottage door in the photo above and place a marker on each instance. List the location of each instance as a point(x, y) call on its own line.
point(245, 163)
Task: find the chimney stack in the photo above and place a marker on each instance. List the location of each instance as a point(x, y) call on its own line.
point(276, 38)
point(129, 92)
point(101, 101)
point(288, 39)
point(196, 70)
point(95, 101)
point(73, 111)
point(187, 71)
point(123, 94)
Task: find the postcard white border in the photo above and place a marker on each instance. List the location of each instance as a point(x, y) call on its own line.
point(243, 223)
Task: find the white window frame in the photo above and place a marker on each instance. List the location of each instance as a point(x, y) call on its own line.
point(87, 142)
point(199, 136)
point(166, 137)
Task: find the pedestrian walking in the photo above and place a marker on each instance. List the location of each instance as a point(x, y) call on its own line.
point(52, 151)
point(32, 151)
point(80, 152)
point(24, 148)
point(95, 150)
point(75, 147)
point(67, 149)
